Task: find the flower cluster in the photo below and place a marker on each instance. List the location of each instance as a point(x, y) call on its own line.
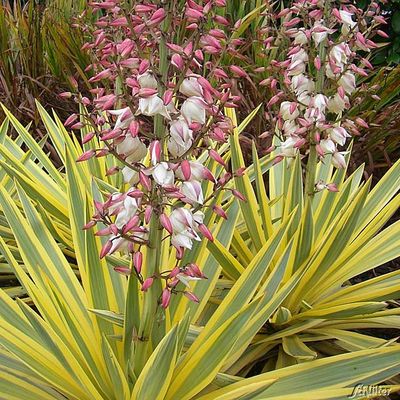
point(313, 86)
point(152, 109)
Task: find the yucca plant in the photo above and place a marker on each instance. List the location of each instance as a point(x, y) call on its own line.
point(79, 340)
point(329, 239)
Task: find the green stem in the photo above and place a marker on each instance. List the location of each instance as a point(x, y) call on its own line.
point(312, 156)
point(311, 170)
point(150, 299)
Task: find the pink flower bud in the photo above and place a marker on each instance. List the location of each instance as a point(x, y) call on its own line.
point(221, 20)
point(112, 171)
point(143, 8)
point(134, 128)
point(103, 232)
point(195, 271)
point(145, 181)
point(332, 187)
point(367, 63)
point(238, 71)
point(138, 261)
point(177, 61)
point(274, 99)
point(191, 297)
point(73, 82)
point(199, 55)
point(144, 66)
point(89, 225)
point(317, 63)
point(136, 194)
point(167, 97)
point(147, 283)
point(239, 195)
point(299, 143)
point(118, 22)
point(283, 13)
point(174, 47)
point(219, 211)
point(382, 34)
point(71, 119)
point(192, 27)
point(123, 270)
point(208, 175)
point(220, 73)
point(186, 170)
point(166, 223)
point(206, 232)
point(86, 155)
point(319, 150)
point(336, 14)
point(88, 137)
point(147, 92)
point(155, 151)
point(101, 75)
point(65, 95)
point(77, 125)
point(215, 156)
point(165, 298)
point(85, 101)
point(277, 160)
point(133, 222)
point(106, 249)
point(359, 121)
point(193, 14)
point(147, 214)
point(113, 134)
point(341, 92)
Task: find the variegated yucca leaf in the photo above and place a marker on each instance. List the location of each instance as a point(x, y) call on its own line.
point(259, 313)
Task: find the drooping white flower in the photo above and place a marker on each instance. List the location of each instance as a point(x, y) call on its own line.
point(300, 83)
point(347, 20)
point(304, 99)
point(133, 148)
point(152, 105)
point(181, 219)
point(348, 82)
point(193, 192)
point(124, 118)
point(183, 226)
point(181, 138)
point(118, 244)
point(338, 134)
point(287, 148)
point(163, 174)
point(130, 176)
point(289, 127)
point(337, 104)
point(196, 170)
point(300, 55)
point(288, 112)
point(300, 37)
point(339, 55)
point(319, 32)
point(147, 81)
point(327, 145)
point(127, 211)
point(319, 101)
point(193, 109)
point(191, 87)
point(296, 68)
point(338, 160)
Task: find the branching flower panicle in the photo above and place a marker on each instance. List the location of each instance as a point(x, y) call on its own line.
point(158, 95)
